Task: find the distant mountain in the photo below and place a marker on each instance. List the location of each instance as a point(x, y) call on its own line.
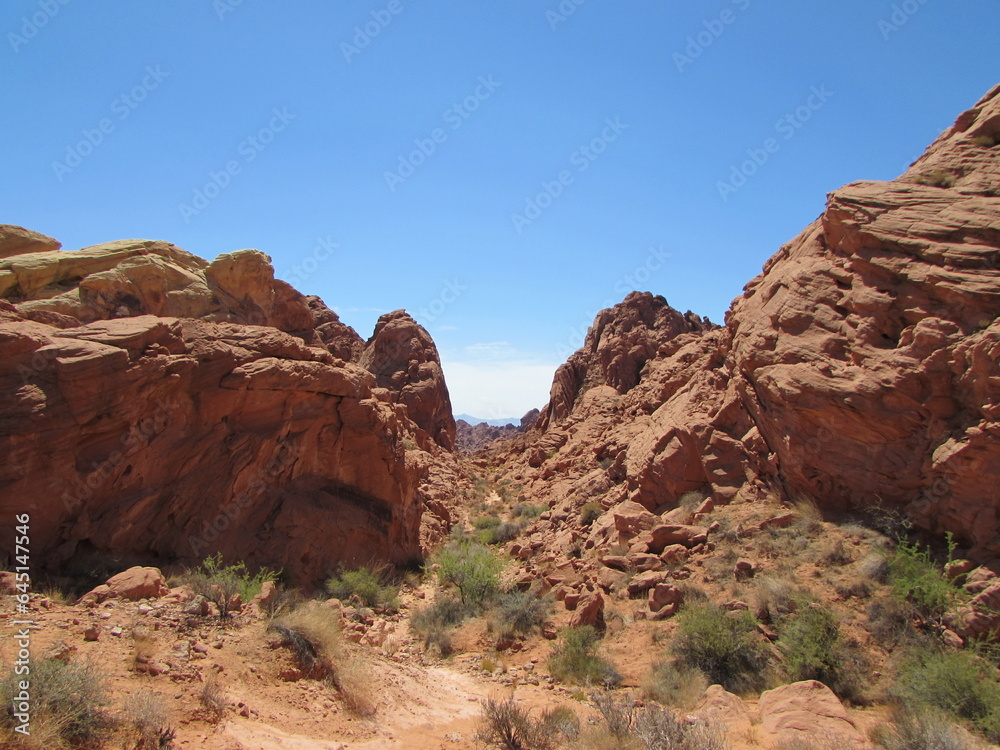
point(492, 422)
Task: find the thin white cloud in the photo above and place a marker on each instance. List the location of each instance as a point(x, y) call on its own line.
point(492, 350)
point(497, 390)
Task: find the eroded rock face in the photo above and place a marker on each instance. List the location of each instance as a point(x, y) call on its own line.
point(139, 277)
point(862, 366)
point(405, 361)
point(869, 349)
point(155, 405)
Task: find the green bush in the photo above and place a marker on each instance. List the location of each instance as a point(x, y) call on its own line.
point(519, 612)
point(486, 522)
point(575, 659)
point(472, 568)
point(219, 583)
point(813, 649)
point(369, 586)
point(957, 682)
point(914, 577)
point(68, 702)
point(725, 646)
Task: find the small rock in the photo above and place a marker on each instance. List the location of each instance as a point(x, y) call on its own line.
point(116, 631)
point(744, 569)
point(92, 633)
point(951, 638)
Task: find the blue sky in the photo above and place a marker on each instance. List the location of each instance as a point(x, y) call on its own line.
point(502, 170)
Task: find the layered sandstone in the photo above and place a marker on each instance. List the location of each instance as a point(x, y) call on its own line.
point(165, 408)
point(859, 369)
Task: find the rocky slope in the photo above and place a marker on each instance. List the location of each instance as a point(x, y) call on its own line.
point(160, 407)
point(859, 369)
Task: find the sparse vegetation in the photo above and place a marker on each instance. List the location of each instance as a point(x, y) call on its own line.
point(674, 685)
point(590, 512)
point(726, 647)
point(68, 705)
point(220, 583)
point(941, 178)
point(575, 659)
point(625, 725)
point(524, 510)
point(915, 578)
point(506, 725)
point(312, 633)
point(909, 729)
point(472, 568)
point(213, 699)
point(434, 621)
point(986, 141)
point(145, 722)
point(368, 585)
point(956, 682)
point(519, 612)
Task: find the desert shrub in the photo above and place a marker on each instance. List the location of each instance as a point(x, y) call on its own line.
point(674, 685)
point(812, 648)
point(726, 647)
point(986, 141)
point(525, 510)
point(519, 612)
point(914, 577)
point(590, 512)
point(654, 727)
point(486, 522)
point(575, 659)
point(499, 534)
point(837, 556)
point(213, 698)
point(662, 729)
point(890, 621)
point(367, 585)
point(145, 718)
point(508, 726)
point(354, 683)
point(312, 633)
point(774, 598)
point(910, 729)
point(68, 702)
point(219, 582)
point(472, 568)
point(941, 178)
point(433, 622)
point(874, 566)
point(957, 682)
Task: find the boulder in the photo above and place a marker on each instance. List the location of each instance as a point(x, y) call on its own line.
point(138, 583)
point(589, 611)
point(809, 713)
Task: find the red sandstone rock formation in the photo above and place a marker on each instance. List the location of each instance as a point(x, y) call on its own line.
point(861, 367)
point(183, 420)
point(404, 360)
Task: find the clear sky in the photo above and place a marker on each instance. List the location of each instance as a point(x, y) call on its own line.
point(502, 170)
